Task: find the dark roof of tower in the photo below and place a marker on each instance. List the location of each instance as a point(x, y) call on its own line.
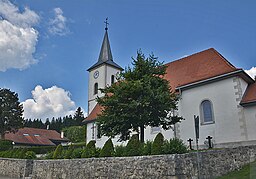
point(105, 56)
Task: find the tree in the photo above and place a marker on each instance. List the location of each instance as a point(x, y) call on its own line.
point(78, 117)
point(68, 121)
point(75, 133)
point(47, 123)
point(10, 112)
point(140, 98)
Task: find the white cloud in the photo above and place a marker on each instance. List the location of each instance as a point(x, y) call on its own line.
point(18, 37)
point(58, 25)
point(11, 13)
point(50, 102)
point(251, 72)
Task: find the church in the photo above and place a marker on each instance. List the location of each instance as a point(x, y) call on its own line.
point(209, 86)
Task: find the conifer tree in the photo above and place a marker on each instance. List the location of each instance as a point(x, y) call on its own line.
point(78, 117)
point(108, 149)
point(10, 112)
point(157, 147)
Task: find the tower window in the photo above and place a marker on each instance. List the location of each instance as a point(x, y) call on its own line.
point(206, 112)
point(112, 79)
point(96, 88)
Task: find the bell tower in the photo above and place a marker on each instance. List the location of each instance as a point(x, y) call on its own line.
point(102, 73)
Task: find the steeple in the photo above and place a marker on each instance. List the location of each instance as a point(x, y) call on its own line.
point(105, 52)
point(105, 56)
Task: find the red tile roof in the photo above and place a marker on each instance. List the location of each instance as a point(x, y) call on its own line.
point(33, 136)
point(199, 66)
point(95, 112)
point(249, 95)
point(194, 68)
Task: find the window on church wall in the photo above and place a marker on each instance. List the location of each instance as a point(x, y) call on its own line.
point(93, 131)
point(98, 132)
point(112, 79)
point(206, 112)
point(96, 88)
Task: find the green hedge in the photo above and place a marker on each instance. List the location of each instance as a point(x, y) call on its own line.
point(5, 145)
point(42, 149)
point(22, 153)
point(30, 155)
point(133, 148)
point(48, 149)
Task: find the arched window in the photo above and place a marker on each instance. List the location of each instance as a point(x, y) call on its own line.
point(96, 88)
point(206, 112)
point(112, 79)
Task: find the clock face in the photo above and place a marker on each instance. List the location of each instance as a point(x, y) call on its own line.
point(96, 74)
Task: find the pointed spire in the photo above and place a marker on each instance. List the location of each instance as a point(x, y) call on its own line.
point(105, 52)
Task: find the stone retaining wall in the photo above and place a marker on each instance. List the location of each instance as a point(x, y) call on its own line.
point(14, 168)
point(212, 163)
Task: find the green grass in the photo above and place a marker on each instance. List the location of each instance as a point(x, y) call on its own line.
point(247, 172)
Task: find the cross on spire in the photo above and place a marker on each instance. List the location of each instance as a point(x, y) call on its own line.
point(106, 22)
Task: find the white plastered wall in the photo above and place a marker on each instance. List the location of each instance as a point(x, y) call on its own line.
point(231, 120)
point(103, 80)
point(225, 99)
point(250, 115)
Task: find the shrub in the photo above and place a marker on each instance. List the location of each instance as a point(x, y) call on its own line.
point(79, 145)
point(58, 152)
point(133, 146)
point(84, 153)
point(147, 147)
point(18, 153)
point(7, 154)
point(49, 155)
point(67, 153)
point(5, 145)
point(90, 150)
point(157, 146)
point(108, 149)
point(177, 146)
point(42, 149)
point(120, 151)
point(77, 153)
point(97, 152)
point(30, 155)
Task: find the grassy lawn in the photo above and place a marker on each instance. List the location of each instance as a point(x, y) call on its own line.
point(247, 172)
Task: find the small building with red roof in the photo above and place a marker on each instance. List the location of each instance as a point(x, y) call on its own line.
point(36, 137)
point(209, 86)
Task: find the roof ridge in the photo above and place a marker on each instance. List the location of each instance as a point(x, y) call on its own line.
point(190, 55)
point(225, 60)
point(38, 128)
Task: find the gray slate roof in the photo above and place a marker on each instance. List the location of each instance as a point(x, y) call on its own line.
point(105, 56)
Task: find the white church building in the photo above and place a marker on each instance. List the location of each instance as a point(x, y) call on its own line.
point(209, 86)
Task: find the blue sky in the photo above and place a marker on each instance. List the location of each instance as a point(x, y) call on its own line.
point(47, 45)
